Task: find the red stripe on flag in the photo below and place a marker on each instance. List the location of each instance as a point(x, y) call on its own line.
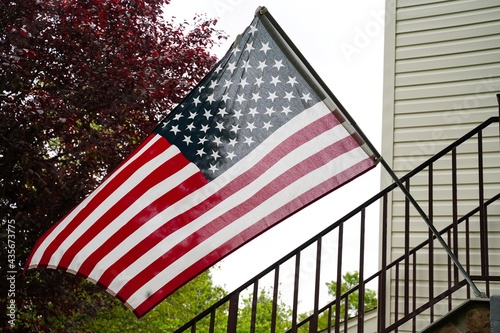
point(266, 192)
point(250, 233)
point(163, 171)
point(189, 185)
point(156, 149)
point(304, 135)
point(42, 239)
point(143, 216)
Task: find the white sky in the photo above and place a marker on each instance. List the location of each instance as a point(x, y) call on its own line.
point(343, 41)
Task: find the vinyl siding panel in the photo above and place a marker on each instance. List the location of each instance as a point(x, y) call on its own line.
point(441, 77)
point(412, 119)
point(457, 88)
point(448, 47)
point(463, 104)
point(409, 10)
point(448, 34)
point(474, 72)
point(439, 62)
point(410, 21)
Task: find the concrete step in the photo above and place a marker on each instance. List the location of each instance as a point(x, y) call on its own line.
point(472, 316)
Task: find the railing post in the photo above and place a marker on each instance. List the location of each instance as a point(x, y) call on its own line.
point(255, 299)
point(482, 210)
point(275, 298)
point(212, 322)
point(407, 252)
point(396, 294)
point(454, 204)
point(232, 319)
point(313, 324)
point(414, 290)
point(296, 293)
point(382, 283)
point(361, 285)
point(431, 237)
point(467, 250)
point(338, 292)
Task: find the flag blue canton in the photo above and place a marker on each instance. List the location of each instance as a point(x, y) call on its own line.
point(249, 94)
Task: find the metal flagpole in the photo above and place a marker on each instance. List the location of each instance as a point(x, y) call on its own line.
point(415, 204)
point(436, 233)
point(325, 91)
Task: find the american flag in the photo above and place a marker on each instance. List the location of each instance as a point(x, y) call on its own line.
point(253, 143)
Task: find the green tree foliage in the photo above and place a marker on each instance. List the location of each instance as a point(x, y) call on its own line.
point(264, 310)
point(169, 315)
point(349, 281)
point(82, 83)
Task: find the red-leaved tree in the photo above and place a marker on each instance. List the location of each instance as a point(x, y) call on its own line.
point(81, 84)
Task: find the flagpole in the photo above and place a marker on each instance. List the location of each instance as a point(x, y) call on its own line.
point(415, 204)
point(412, 200)
point(324, 90)
point(436, 233)
point(409, 196)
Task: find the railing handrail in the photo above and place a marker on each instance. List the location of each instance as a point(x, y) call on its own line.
point(357, 210)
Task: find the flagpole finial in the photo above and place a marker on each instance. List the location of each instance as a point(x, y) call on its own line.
point(261, 10)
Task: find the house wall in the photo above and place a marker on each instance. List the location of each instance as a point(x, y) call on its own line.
point(441, 77)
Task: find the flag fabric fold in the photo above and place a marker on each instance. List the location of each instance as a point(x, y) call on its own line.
point(253, 143)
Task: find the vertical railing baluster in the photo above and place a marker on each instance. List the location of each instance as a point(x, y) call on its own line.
point(313, 325)
point(296, 293)
point(255, 299)
point(232, 319)
point(467, 252)
point(212, 321)
point(346, 313)
point(338, 291)
point(431, 238)
point(414, 290)
point(329, 326)
point(450, 301)
point(407, 252)
point(361, 285)
point(487, 281)
point(274, 313)
point(454, 191)
point(396, 295)
point(382, 283)
point(483, 230)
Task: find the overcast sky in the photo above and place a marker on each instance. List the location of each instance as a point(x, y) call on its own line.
point(343, 41)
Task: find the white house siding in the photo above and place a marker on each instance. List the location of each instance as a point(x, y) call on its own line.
point(442, 74)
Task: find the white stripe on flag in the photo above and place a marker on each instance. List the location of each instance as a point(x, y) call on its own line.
point(145, 229)
point(315, 112)
point(281, 198)
point(110, 201)
point(35, 259)
point(244, 194)
point(144, 201)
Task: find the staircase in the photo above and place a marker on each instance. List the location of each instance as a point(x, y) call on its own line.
point(420, 284)
point(471, 316)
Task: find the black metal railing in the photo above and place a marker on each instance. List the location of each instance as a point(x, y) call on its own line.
point(420, 283)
